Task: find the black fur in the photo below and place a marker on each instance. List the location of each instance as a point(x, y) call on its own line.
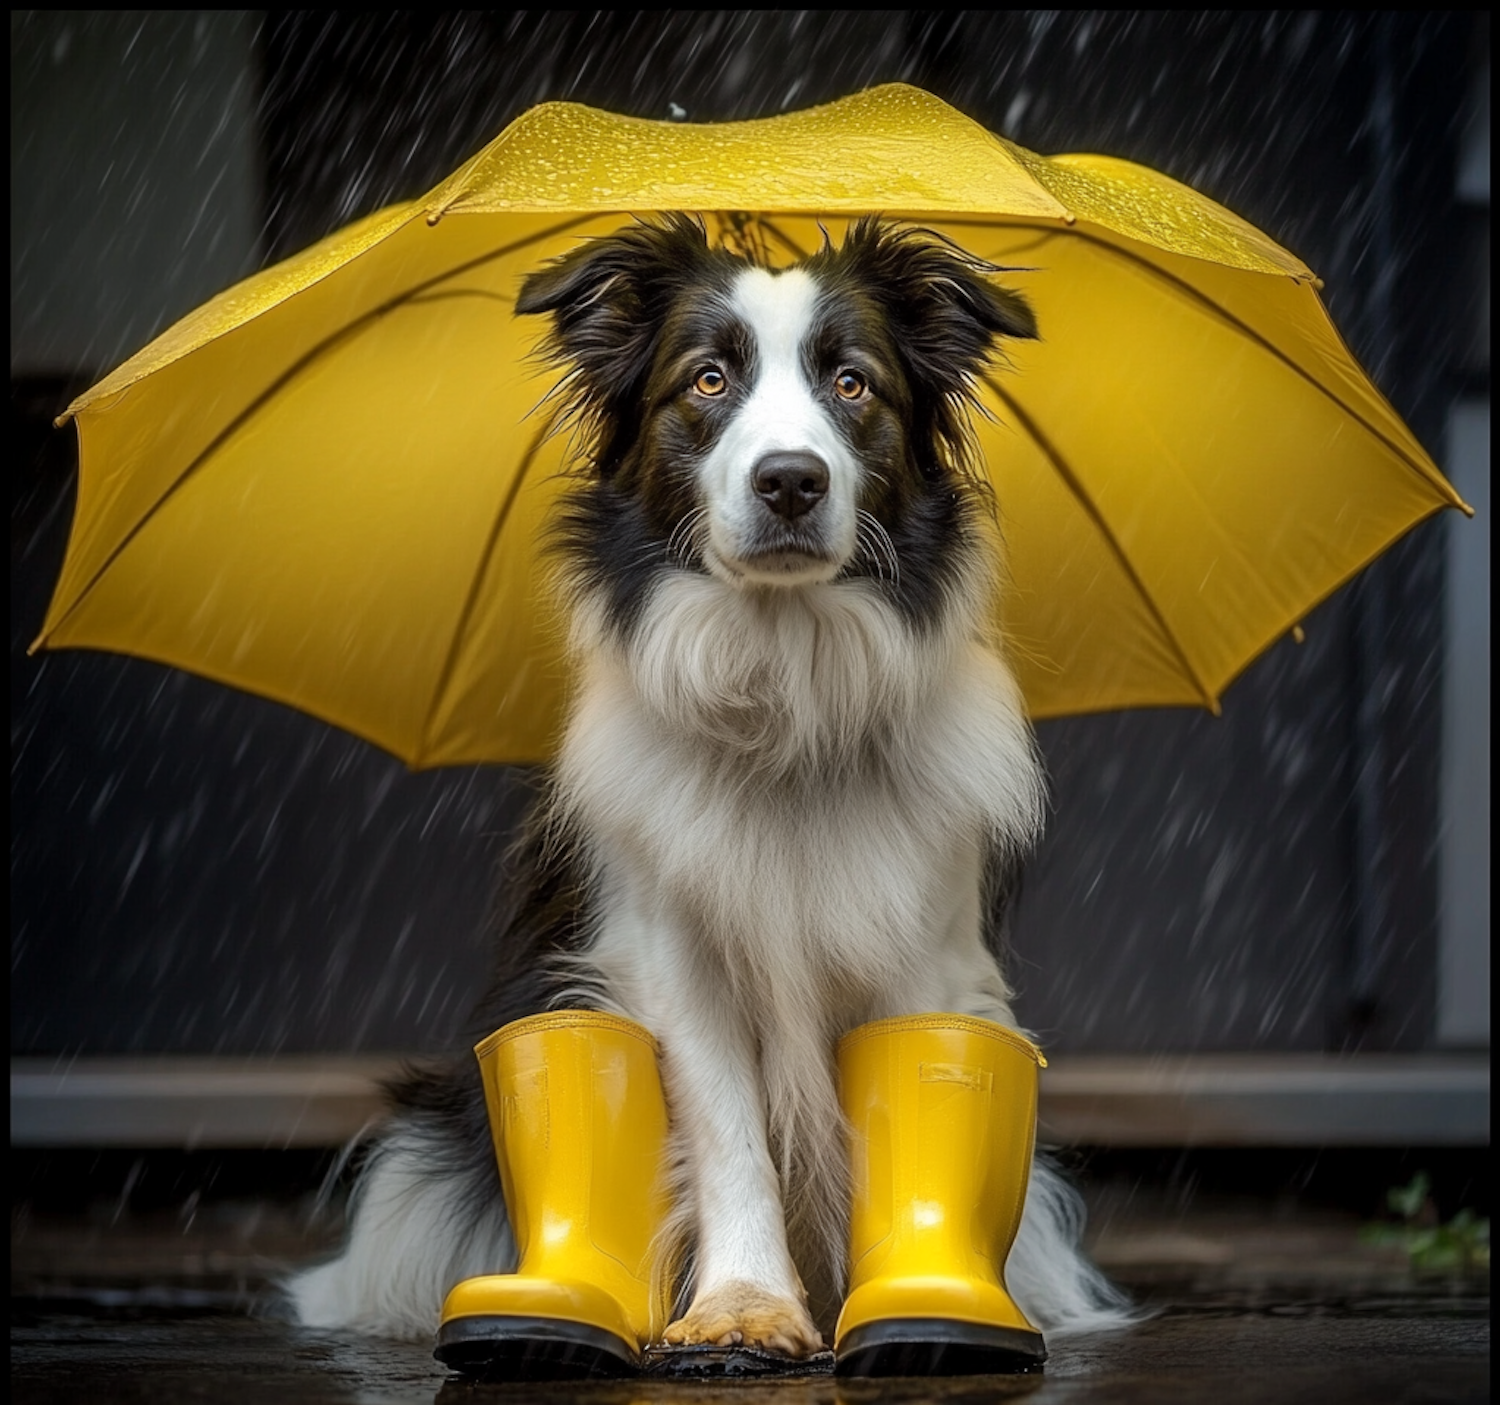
point(633, 314)
point(444, 1099)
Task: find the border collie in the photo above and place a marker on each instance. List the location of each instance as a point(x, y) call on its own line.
point(797, 779)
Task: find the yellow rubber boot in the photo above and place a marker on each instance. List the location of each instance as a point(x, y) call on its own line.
point(943, 1112)
point(580, 1126)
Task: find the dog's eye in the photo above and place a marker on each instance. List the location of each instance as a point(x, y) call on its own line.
point(849, 385)
point(711, 381)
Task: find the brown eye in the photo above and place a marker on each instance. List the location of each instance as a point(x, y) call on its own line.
point(711, 381)
point(850, 385)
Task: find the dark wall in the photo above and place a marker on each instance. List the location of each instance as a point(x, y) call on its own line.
point(198, 870)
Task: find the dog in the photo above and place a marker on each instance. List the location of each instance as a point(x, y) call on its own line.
point(797, 781)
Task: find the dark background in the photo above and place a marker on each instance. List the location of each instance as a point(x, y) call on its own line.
point(197, 870)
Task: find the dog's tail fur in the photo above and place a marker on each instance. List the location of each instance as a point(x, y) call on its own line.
point(1055, 1283)
point(421, 1221)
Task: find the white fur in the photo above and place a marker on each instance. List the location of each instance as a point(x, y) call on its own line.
point(411, 1240)
point(786, 793)
point(781, 415)
point(787, 826)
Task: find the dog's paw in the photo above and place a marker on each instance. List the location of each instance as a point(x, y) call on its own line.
point(740, 1314)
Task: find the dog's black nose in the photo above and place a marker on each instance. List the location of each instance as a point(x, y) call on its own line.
point(791, 484)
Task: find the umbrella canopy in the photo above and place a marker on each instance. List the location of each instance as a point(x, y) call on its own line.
point(328, 484)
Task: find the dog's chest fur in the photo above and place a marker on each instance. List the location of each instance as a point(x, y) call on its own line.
point(799, 777)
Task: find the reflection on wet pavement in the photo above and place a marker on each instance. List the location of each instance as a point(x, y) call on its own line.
point(1252, 1301)
point(1427, 1346)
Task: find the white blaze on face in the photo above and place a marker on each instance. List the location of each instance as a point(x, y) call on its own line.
point(781, 415)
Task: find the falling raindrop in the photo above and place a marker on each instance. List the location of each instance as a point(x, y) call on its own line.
point(232, 876)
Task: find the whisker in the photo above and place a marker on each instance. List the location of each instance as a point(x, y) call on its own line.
point(683, 533)
point(866, 544)
point(872, 550)
point(681, 543)
point(866, 522)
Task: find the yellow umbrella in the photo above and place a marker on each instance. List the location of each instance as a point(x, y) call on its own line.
point(327, 485)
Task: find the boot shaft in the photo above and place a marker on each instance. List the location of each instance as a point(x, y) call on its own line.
point(579, 1124)
point(942, 1111)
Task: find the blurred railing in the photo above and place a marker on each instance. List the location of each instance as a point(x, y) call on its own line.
point(1087, 1100)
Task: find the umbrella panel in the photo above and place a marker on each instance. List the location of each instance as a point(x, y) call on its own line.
point(1179, 475)
point(329, 486)
point(357, 536)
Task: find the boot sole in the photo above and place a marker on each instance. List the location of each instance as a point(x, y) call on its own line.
point(938, 1346)
point(533, 1349)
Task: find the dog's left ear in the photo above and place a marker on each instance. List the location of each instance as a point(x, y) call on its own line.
point(949, 313)
point(607, 300)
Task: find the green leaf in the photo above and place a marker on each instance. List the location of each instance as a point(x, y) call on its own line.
point(1408, 1200)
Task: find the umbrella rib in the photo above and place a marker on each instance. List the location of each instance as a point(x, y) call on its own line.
point(449, 294)
point(1195, 295)
point(1267, 345)
point(1091, 508)
point(450, 660)
point(310, 356)
point(783, 238)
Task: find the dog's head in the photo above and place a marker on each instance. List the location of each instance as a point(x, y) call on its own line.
point(776, 428)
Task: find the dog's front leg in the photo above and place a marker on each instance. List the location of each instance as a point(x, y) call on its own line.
point(745, 1287)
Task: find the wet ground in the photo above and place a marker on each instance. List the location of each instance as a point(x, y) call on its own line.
point(1254, 1300)
point(1387, 1350)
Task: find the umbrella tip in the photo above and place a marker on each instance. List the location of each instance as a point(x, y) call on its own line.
point(1299, 635)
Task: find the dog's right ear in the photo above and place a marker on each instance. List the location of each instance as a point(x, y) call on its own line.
point(608, 299)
